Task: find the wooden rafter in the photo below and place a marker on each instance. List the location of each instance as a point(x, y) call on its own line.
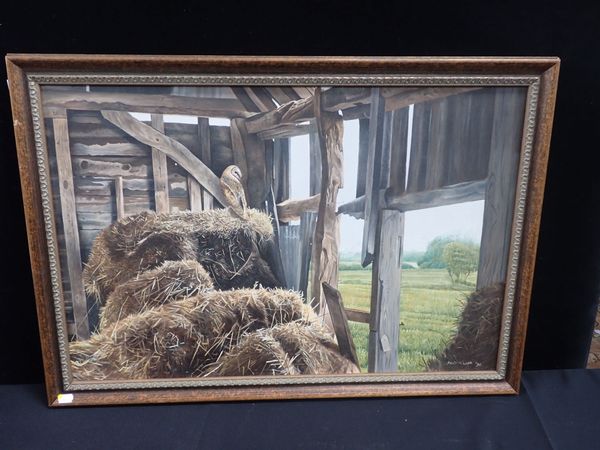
point(289, 210)
point(55, 102)
point(172, 148)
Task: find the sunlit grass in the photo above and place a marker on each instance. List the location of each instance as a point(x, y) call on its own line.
point(429, 307)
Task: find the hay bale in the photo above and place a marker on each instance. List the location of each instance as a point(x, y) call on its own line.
point(173, 280)
point(228, 248)
point(296, 348)
point(180, 339)
point(475, 344)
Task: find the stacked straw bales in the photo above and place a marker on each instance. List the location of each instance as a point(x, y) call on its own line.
point(475, 344)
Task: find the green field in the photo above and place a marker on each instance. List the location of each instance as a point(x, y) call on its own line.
point(429, 307)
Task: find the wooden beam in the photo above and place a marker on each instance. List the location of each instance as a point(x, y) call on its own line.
point(282, 96)
point(245, 99)
point(149, 103)
point(289, 210)
point(119, 198)
point(385, 293)
point(205, 157)
point(448, 195)
point(339, 320)
point(261, 98)
point(173, 149)
point(239, 151)
point(410, 97)
point(70, 226)
point(159, 170)
point(373, 175)
point(325, 259)
point(284, 131)
point(356, 315)
point(509, 110)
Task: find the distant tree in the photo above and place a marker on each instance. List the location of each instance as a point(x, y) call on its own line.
point(461, 260)
point(433, 257)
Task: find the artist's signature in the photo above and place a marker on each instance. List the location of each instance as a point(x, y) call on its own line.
point(463, 363)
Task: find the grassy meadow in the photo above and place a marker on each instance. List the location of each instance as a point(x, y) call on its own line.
point(429, 307)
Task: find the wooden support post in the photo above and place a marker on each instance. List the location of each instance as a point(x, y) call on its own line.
point(119, 198)
point(271, 247)
point(385, 293)
point(159, 170)
point(69, 218)
point(205, 156)
point(314, 159)
point(363, 152)
point(326, 241)
point(398, 150)
point(373, 176)
point(509, 110)
point(339, 320)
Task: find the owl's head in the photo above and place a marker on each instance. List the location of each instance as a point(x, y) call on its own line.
point(233, 172)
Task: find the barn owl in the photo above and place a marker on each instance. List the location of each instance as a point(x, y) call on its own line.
point(233, 190)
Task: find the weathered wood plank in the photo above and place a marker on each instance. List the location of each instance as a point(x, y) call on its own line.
point(289, 210)
point(245, 99)
point(119, 198)
point(261, 98)
point(448, 195)
point(283, 131)
point(250, 157)
point(70, 227)
point(281, 95)
point(339, 320)
point(160, 174)
point(363, 152)
point(398, 150)
point(110, 149)
point(195, 194)
point(148, 103)
point(373, 176)
point(281, 168)
point(308, 221)
point(356, 315)
point(204, 137)
point(438, 150)
point(419, 146)
point(509, 113)
point(270, 249)
point(176, 151)
point(384, 177)
point(110, 167)
point(422, 95)
point(314, 149)
point(385, 294)
point(325, 259)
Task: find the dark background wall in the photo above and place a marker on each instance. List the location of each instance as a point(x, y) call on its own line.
point(567, 278)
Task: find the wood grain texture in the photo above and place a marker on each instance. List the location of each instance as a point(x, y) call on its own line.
point(148, 103)
point(119, 198)
point(339, 319)
point(70, 227)
point(170, 147)
point(385, 293)
point(204, 138)
point(357, 315)
point(290, 210)
point(160, 175)
point(373, 176)
point(308, 221)
point(325, 259)
point(509, 109)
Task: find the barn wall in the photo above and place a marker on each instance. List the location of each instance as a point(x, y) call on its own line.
point(100, 152)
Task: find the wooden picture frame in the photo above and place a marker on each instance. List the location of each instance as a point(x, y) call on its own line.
point(275, 98)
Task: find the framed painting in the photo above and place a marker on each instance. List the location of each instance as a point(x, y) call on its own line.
point(208, 228)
